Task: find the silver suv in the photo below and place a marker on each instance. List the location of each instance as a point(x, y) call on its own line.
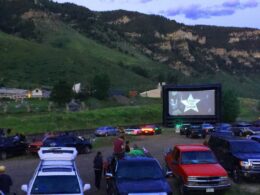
point(56, 173)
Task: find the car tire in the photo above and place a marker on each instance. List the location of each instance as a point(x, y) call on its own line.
point(235, 175)
point(3, 155)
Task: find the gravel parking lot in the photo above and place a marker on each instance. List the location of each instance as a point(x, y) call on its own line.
point(22, 168)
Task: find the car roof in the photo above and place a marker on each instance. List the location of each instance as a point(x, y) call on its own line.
point(192, 147)
point(57, 161)
point(231, 138)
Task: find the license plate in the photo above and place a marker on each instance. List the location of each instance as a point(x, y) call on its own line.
point(199, 135)
point(210, 190)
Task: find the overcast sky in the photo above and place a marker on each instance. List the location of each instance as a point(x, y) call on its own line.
point(240, 13)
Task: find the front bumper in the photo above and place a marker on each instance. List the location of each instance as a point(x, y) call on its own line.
point(207, 188)
point(250, 173)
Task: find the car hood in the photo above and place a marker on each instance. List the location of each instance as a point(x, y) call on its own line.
point(246, 156)
point(143, 186)
point(204, 170)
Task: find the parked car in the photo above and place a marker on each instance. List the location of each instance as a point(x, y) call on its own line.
point(207, 127)
point(11, 146)
point(196, 169)
point(255, 138)
point(239, 156)
point(106, 131)
point(56, 174)
point(82, 144)
point(35, 146)
point(133, 130)
point(151, 129)
point(136, 173)
point(224, 129)
point(184, 128)
point(241, 128)
point(252, 131)
point(195, 131)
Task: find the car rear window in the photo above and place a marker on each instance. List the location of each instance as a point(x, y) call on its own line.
point(56, 185)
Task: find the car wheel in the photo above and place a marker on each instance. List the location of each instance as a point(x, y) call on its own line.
point(236, 175)
point(106, 134)
point(3, 155)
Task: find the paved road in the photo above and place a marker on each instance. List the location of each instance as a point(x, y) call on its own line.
point(22, 168)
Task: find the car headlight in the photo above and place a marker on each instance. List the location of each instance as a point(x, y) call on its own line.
point(245, 164)
point(191, 181)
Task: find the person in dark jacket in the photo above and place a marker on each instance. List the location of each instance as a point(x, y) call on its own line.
point(98, 168)
point(5, 181)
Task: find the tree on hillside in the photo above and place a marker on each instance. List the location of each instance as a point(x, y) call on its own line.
point(230, 106)
point(100, 86)
point(61, 93)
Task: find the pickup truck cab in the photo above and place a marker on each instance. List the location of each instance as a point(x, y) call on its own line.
point(196, 169)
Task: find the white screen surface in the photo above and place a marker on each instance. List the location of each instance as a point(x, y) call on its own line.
point(192, 103)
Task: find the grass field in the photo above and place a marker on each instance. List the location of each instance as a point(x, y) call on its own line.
point(149, 111)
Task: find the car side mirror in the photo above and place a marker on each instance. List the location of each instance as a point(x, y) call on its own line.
point(109, 175)
point(175, 162)
point(24, 187)
point(86, 187)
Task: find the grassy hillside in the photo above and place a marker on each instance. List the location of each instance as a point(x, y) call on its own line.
point(68, 55)
point(89, 119)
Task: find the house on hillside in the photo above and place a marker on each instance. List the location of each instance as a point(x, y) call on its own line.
point(13, 93)
point(154, 93)
point(37, 93)
point(76, 87)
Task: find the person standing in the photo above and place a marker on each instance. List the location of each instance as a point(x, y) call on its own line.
point(119, 147)
point(5, 181)
point(127, 147)
point(98, 168)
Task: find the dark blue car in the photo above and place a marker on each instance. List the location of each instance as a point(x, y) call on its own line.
point(82, 144)
point(239, 156)
point(137, 175)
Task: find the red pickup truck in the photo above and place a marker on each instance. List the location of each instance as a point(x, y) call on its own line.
point(196, 169)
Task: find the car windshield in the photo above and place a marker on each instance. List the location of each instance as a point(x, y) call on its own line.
point(56, 185)
point(139, 170)
point(245, 147)
point(198, 157)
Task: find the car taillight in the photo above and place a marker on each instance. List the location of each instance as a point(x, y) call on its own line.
point(147, 129)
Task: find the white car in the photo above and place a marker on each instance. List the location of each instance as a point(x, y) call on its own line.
point(56, 173)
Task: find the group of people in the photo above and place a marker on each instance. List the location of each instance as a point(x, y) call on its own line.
point(120, 147)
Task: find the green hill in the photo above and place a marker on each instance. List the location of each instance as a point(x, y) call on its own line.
point(43, 41)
